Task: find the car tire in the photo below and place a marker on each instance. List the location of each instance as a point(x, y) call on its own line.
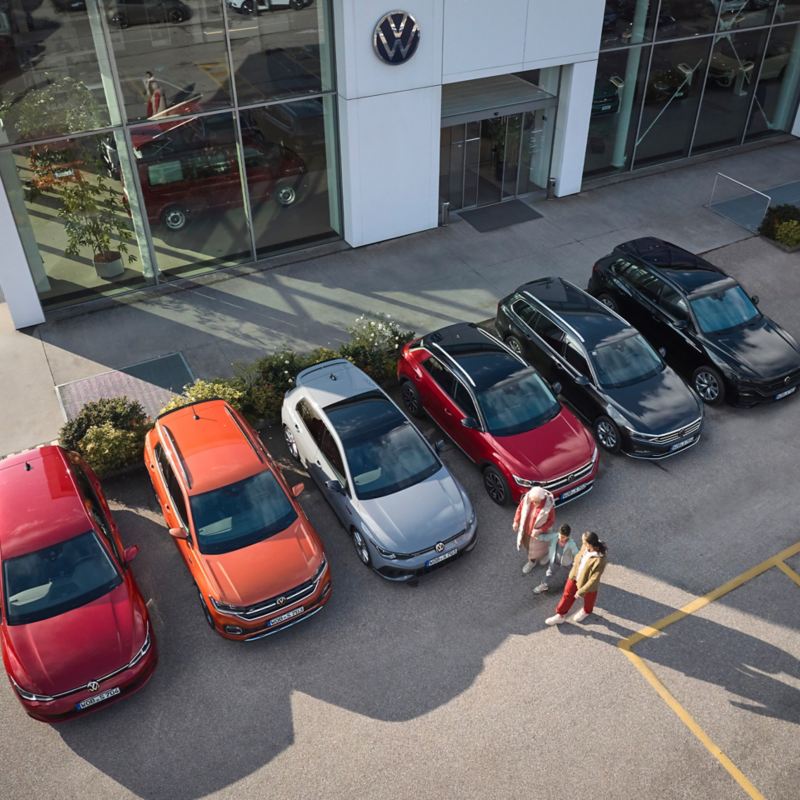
point(411, 399)
point(608, 301)
point(285, 194)
point(514, 344)
point(206, 612)
point(291, 444)
point(297, 5)
point(175, 218)
point(708, 384)
point(360, 544)
point(496, 486)
point(607, 434)
point(175, 15)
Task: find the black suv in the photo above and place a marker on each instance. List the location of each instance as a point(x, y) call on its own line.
point(606, 370)
point(703, 321)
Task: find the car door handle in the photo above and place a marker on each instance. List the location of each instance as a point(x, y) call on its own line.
point(317, 463)
point(296, 427)
point(448, 412)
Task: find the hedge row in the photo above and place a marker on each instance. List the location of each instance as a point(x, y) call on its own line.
point(782, 224)
point(110, 433)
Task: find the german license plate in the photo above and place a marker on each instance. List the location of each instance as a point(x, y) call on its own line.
point(606, 107)
point(295, 612)
point(573, 491)
point(681, 444)
point(785, 393)
point(65, 172)
point(98, 698)
point(443, 557)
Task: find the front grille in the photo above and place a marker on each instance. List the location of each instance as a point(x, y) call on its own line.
point(264, 607)
point(779, 384)
point(672, 436)
point(430, 548)
point(565, 480)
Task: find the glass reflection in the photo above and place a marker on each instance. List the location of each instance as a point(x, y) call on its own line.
point(787, 11)
point(188, 171)
point(688, 17)
point(729, 89)
point(627, 22)
point(170, 56)
point(736, 14)
point(278, 48)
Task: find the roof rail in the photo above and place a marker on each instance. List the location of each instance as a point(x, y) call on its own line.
point(174, 445)
point(454, 362)
point(538, 302)
point(244, 433)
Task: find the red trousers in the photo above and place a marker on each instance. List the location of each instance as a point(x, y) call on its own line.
point(568, 598)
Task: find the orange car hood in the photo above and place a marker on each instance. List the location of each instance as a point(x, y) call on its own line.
point(267, 568)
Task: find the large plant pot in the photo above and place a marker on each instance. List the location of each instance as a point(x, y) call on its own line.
point(108, 265)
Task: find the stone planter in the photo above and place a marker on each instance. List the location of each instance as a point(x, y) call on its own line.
point(781, 246)
point(109, 264)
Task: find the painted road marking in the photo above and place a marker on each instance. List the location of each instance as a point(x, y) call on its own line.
point(650, 631)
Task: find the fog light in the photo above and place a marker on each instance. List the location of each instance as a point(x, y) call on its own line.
point(234, 629)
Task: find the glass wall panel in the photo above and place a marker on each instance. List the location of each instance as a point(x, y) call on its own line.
point(189, 175)
point(680, 18)
point(511, 155)
point(286, 159)
point(50, 82)
point(778, 89)
point(615, 109)
point(788, 11)
point(671, 98)
point(628, 22)
point(170, 56)
point(736, 14)
point(279, 49)
point(73, 217)
point(729, 89)
point(537, 148)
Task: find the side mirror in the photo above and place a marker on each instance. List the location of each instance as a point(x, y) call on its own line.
point(755, 298)
point(333, 486)
point(297, 489)
point(470, 423)
point(130, 553)
point(557, 387)
point(582, 380)
point(662, 351)
point(178, 533)
point(439, 445)
point(681, 324)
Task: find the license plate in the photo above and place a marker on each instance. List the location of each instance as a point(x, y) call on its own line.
point(570, 492)
point(98, 698)
point(443, 557)
point(63, 173)
point(295, 612)
point(606, 107)
point(679, 445)
point(785, 393)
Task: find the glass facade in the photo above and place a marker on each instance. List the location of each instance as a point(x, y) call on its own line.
point(677, 78)
point(144, 139)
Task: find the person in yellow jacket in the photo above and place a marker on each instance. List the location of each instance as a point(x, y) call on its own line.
point(583, 580)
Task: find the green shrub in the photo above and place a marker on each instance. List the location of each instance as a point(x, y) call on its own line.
point(375, 346)
point(109, 449)
point(788, 233)
point(119, 412)
point(229, 389)
point(775, 216)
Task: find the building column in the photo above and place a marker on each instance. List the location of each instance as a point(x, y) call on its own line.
point(572, 127)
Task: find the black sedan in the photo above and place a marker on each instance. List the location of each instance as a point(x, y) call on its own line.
point(602, 367)
point(706, 324)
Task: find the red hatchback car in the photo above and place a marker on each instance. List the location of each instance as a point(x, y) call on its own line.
point(74, 627)
point(500, 412)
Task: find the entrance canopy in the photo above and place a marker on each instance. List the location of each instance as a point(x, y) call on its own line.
point(501, 96)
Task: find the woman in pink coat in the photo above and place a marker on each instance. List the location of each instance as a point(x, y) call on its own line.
point(536, 514)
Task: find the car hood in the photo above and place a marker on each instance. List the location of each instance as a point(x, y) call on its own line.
point(559, 446)
point(763, 347)
point(657, 405)
point(69, 650)
point(267, 568)
point(416, 518)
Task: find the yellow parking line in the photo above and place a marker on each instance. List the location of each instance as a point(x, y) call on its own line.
point(695, 605)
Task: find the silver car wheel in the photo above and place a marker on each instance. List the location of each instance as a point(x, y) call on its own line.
point(607, 435)
point(291, 444)
point(361, 547)
point(706, 385)
point(514, 344)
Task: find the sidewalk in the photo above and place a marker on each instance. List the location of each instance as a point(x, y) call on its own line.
point(423, 281)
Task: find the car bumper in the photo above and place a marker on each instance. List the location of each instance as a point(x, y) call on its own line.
point(749, 396)
point(129, 682)
point(657, 452)
point(566, 493)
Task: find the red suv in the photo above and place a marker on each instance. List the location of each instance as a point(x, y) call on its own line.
point(500, 412)
point(74, 627)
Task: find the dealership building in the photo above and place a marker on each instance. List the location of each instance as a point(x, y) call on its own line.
point(143, 142)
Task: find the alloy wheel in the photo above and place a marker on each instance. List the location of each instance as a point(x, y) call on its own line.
point(361, 546)
point(495, 486)
point(410, 398)
point(286, 195)
point(607, 435)
point(707, 385)
point(608, 301)
point(206, 612)
point(175, 219)
point(291, 444)
point(514, 344)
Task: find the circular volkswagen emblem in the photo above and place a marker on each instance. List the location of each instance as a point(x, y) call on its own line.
point(93, 686)
point(439, 547)
point(787, 379)
point(281, 600)
point(396, 37)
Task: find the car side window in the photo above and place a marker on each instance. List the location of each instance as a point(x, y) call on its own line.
point(330, 450)
point(173, 487)
point(524, 311)
point(644, 280)
point(314, 425)
point(573, 353)
point(95, 506)
point(621, 267)
point(550, 332)
point(673, 303)
point(442, 375)
point(464, 401)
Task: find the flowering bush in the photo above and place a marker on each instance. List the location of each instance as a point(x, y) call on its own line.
point(375, 346)
point(119, 412)
point(109, 449)
point(788, 233)
point(230, 390)
point(775, 216)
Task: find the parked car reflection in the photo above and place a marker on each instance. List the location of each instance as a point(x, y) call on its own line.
point(123, 13)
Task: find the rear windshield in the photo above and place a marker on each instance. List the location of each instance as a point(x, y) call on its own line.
point(241, 514)
point(58, 578)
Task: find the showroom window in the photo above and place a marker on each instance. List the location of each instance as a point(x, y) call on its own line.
point(141, 140)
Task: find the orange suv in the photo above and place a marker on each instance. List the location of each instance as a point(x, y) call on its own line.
point(257, 562)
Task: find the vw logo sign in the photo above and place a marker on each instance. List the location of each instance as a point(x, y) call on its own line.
point(396, 37)
point(439, 547)
point(281, 600)
point(93, 686)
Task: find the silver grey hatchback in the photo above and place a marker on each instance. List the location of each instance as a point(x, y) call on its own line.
point(405, 512)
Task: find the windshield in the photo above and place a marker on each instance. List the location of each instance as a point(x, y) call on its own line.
point(385, 452)
point(625, 361)
point(723, 310)
point(241, 514)
point(58, 578)
point(517, 403)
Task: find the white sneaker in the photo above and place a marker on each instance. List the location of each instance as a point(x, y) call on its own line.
point(556, 619)
point(542, 587)
point(529, 565)
point(579, 616)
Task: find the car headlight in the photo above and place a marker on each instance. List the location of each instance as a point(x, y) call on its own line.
point(524, 482)
point(143, 649)
point(322, 567)
point(224, 608)
point(386, 553)
point(25, 695)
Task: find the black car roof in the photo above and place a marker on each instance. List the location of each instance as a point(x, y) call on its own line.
point(686, 270)
point(588, 317)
